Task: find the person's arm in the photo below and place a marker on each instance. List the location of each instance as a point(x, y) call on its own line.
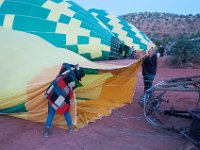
point(49, 89)
point(155, 63)
point(144, 61)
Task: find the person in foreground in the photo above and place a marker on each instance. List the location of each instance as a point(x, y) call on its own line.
point(149, 68)
point(59, 94)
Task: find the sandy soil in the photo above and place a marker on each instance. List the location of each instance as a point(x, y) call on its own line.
point(124, 129)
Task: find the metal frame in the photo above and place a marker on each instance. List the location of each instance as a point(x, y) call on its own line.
point(153, 99)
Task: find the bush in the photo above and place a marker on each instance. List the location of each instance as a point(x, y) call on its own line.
point(185, 51)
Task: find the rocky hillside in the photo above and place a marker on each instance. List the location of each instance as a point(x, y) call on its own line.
point(162, 25)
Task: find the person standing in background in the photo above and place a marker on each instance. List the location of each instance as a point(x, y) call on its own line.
point(161, 50)
point(149, 68)
point(133, 52)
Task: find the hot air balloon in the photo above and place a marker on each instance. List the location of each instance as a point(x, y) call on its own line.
point(37, 37)
point(126, 32)
point(29, 64)
point(62, 23)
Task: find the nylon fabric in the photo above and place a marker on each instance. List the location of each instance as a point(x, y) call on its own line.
point(103, 88)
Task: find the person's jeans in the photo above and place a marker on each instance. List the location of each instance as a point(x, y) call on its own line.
point(148, 81)
point(51, 113)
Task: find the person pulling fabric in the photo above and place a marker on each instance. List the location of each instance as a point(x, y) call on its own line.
point(60, 93)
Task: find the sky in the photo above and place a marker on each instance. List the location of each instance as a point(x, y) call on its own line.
point(121, 7)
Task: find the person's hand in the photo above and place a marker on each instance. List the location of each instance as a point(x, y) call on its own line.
point(71, 85)
point(77, 66)
point(45, 96)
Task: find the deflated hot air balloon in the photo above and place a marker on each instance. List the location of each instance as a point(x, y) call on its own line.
point(29, 64)
point(37, 37)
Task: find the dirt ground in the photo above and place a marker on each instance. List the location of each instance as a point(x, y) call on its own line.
point(124, 129)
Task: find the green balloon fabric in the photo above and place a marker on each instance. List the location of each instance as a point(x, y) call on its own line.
point(62, 23)
point(123, 30)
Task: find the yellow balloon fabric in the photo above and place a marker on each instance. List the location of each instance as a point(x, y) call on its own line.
point(29, 64)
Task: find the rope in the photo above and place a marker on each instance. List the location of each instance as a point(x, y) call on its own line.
point(122, 116)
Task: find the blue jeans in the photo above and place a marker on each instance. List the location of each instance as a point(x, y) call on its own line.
point(148, 81)
point(51, 113)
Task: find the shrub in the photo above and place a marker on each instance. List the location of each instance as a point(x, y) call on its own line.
point(185, 51)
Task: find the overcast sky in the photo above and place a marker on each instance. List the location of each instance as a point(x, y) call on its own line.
point(120, 7)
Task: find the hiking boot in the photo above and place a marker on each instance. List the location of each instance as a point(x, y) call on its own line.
point(141, 102)
point(46, 133)
point(71, 129)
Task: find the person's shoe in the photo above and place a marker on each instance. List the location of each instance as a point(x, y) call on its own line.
point(141, 102)
point(71, 129)
point(46, 133)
